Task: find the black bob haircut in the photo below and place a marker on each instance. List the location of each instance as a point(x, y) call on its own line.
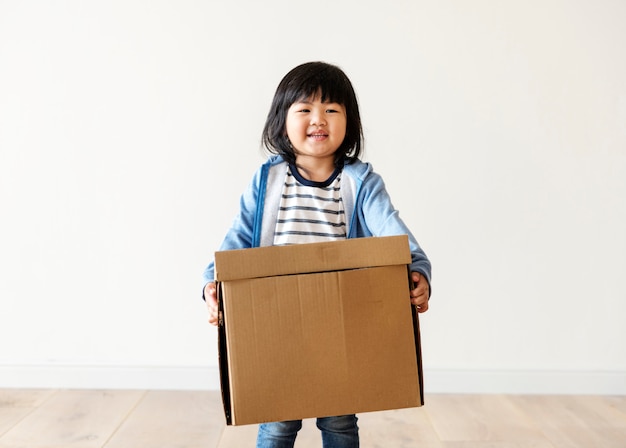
point(305, 81)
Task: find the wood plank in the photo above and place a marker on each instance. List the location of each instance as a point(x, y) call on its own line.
point(9, 417)
point(577, 421)
point(238, 436)
point(488, 444)
point(19, 398)
point(15, 404)
point(186, 419)
point(73, 418)
point(181, 419)
point(481, 418)
point(618, 403)
point(406, 427)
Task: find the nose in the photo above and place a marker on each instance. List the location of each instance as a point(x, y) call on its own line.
point(318, 119)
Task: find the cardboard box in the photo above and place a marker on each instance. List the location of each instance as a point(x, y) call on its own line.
point(316, 330)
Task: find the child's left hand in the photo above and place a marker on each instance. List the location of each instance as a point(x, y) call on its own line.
point(419, 295)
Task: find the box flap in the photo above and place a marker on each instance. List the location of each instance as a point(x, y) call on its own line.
point(309, 258)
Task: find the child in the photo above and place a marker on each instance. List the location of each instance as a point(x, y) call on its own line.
point(314, 188)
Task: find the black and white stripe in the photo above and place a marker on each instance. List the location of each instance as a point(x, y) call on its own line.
point(310, 211)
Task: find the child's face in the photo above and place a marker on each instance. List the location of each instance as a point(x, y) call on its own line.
point(316, 129)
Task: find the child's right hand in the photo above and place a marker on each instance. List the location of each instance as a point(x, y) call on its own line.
point(210, 295)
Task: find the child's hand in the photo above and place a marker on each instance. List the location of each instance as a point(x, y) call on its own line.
point(210, 295)
point(419, 295)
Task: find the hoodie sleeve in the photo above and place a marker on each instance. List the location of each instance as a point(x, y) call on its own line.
point(378, 217)
point(240, 233)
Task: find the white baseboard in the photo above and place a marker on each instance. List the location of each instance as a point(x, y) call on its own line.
point(207, 378)
point(525, 382)
point(109, 377)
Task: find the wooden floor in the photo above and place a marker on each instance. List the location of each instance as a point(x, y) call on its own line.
point(185, 419)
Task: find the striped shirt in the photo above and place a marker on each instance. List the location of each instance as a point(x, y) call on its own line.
point(310, 211)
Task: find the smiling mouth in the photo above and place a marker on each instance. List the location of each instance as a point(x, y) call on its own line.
point(317, 135)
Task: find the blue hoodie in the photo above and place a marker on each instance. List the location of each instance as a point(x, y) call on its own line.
point(368, 208)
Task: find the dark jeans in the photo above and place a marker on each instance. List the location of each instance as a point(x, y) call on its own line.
point(337, 432)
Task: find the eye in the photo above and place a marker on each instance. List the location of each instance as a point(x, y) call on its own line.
point(300, 108)
point(334, 108)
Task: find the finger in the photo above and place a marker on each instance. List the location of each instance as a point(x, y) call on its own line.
point(421, 303)
point(210, 293)
point(422, 308)
point(419, 295)
point(422, 289)
point(213, 316)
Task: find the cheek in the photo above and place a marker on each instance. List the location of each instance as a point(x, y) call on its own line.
point(343, 129)
point(295, 126)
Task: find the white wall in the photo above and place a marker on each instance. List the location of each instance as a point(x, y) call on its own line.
point(128, 129)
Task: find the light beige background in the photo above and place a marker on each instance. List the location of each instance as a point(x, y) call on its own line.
point(128, 130)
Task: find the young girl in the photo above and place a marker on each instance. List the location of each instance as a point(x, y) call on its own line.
point(314, 188)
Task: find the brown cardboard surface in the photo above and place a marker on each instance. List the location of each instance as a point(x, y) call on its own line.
point(318, 257)
point(329, 342)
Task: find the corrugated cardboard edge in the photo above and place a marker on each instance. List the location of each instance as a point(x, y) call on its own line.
point(418, 342)
point(223, 358)
point(418, 353)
